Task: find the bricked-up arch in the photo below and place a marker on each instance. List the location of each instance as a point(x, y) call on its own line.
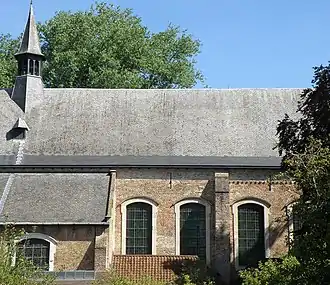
point(251, 232)
point(139, 219)
point(38, 248)
point(192, 224)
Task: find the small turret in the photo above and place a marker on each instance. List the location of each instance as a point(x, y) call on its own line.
point(28, 88)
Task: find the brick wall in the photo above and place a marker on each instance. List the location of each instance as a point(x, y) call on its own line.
point(75, 248)
point(167, 187)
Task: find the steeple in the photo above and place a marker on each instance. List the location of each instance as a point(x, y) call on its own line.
point(28, 89)
point(29, 56)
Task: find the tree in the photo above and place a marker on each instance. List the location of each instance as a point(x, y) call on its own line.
point(308, 262)
point(23, 272)
point(108, 47)
point(8, 47)
point(305, 142)
point(314, 112)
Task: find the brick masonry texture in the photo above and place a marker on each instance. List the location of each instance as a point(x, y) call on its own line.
point(161, 267)
point(75, 246)
point(167, 187)
point(85, 247)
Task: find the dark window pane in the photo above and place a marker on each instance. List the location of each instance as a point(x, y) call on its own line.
point(31, 66)
point(296, 220)
point(193, 230)
point(36, 68)
point(251, 234)
point(36, 251)
point(139, 228)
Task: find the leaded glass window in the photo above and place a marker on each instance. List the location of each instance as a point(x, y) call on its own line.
point(139, 228)
point(251, 234)
point(193, 230)
point(36, 251)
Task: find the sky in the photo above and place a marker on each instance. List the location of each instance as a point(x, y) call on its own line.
point(245, 43)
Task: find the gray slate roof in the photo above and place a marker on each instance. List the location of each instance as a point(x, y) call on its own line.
point(3, 181)
point(229, 122)
point(56, 198)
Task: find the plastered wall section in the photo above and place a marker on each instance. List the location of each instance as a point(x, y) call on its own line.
point(167, 187)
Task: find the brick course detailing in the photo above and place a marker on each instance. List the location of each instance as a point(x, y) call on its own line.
point(160, 267)
point(222, 226)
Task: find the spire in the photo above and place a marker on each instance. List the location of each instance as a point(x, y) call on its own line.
point(30, 42)
point(28, 89)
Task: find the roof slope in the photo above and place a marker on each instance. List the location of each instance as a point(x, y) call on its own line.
point(209, 122)
point(9, 114)
point(56, 198)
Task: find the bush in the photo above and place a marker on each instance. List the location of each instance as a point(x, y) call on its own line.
point(272, 272)
point(23, 272)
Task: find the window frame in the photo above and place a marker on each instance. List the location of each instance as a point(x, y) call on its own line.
point(266, 210)
point(52, 246)
point(154, 207)
point(207, 224)
point(290, 216)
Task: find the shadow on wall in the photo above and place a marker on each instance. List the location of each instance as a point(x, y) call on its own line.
point(276, 230)
point(87, 262)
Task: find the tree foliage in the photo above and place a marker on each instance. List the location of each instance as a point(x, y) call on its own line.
point(272, 273)
point(314, 116)
point(310, 246)
point(22, 272)
point(109, 47)
point(306, 145)
point(8, 65)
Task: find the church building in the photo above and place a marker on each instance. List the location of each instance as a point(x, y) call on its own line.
point(136, 180)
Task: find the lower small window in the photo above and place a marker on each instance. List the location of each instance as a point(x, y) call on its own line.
point(36, 251)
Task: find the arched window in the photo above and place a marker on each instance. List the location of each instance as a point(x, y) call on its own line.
point(139, 226)
point(251, 233)
point(193, 228)
point(36, 251)
point(39, 249)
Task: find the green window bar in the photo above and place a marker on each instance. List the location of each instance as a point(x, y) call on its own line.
point(251, 234)
point(139, 228)
point(193, 230)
